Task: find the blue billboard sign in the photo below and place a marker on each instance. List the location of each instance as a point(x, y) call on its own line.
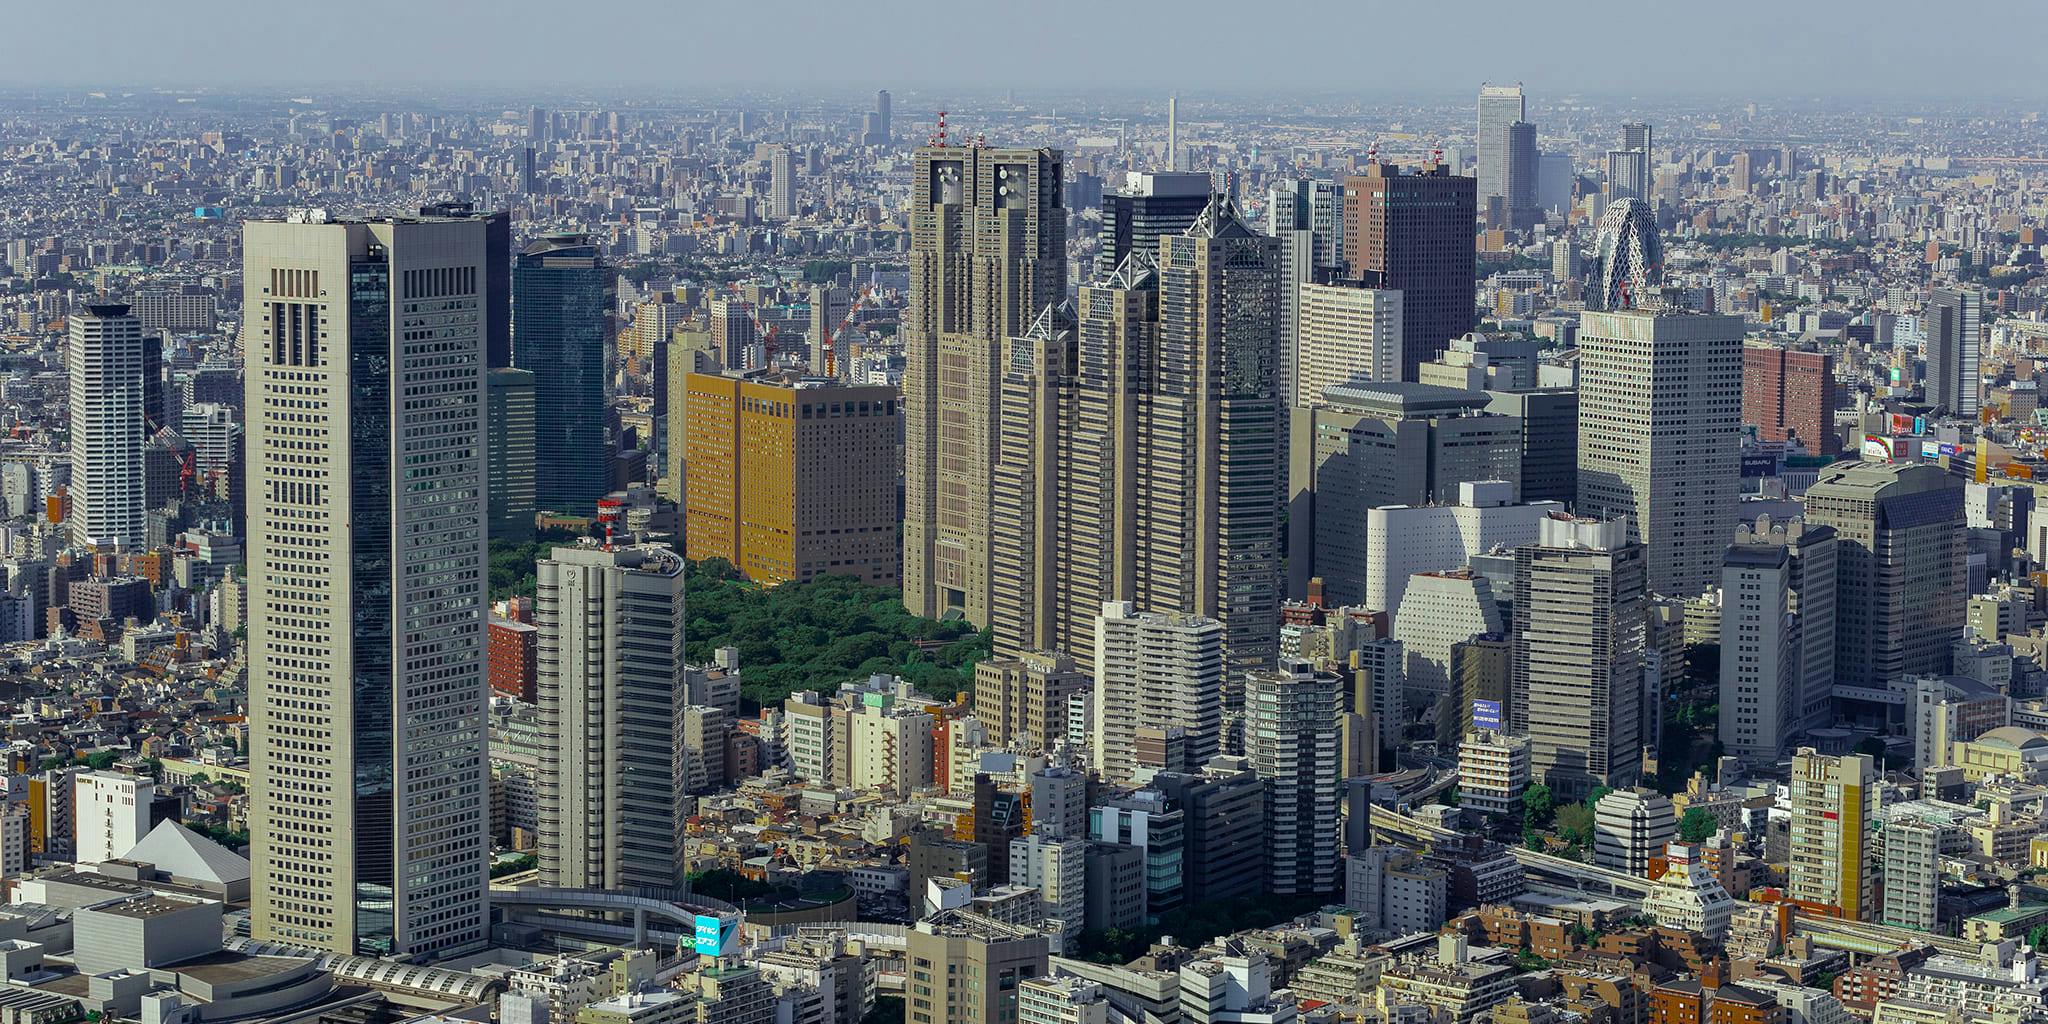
point(1486, 714)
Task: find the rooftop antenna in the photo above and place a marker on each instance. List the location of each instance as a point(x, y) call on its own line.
point(939, 136)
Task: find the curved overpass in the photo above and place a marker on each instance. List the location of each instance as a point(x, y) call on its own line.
point(680, 913)
point(1388, 821)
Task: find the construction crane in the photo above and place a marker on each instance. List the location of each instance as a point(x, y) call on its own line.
point(766, 334)
point(830, 343)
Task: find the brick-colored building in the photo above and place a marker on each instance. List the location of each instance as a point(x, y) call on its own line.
point(1790, 392)
point(513, 667)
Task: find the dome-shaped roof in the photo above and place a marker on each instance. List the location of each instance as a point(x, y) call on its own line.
point(2013, 737)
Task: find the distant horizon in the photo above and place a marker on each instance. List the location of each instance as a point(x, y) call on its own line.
point(1739, 50)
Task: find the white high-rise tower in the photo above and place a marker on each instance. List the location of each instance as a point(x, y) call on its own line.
point(107, 366)
point(370, 796)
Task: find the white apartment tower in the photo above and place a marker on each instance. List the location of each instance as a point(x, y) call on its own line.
point(1155, 672)
point(1660, 423)
point(370, 795)
point(611, 693)
point(109, 367)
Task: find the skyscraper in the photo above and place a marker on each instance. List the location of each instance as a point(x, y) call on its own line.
point(1550, 440)
point(1148, 207)
point(511, 457)
point(1214, 427)
point(1414, 233)
point(1831, 861)
point(1628, 175)
point(1381, 444)
point(1125, 474)
point(1294, 743)
point(1347, 335)
point(988, 254)
point(367, 690)
point(108, 364)
point(1629, 264)
point(1760, 686)
point(1660, 421)
point(781, 184)
point(497, 275)
point(883, 129)
point(1952, 324)
point(1900, 568)
point(1499, 107)
point(563, 298)
point(1811, 584)
point(610, 669)
point(734, 336)
point(1789, 391)
point(1518, 175)
point(1173, 133)
point(1577, 675)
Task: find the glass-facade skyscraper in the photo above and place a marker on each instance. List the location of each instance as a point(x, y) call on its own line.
point(370, 796)
point(563, 297)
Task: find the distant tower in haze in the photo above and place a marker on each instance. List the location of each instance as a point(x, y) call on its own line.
point(1518, 176)
point(1173, 133)
point(882, 116)
point(1952, 325)
point(1628, 168)
point(1499, 107)
point(781, 184)
point(1629, 264)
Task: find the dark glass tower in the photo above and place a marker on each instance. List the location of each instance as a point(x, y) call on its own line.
point(563, 295)
point(1414, 232)
point(1146, 208)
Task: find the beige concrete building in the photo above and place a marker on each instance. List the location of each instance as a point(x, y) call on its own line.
point(958, 946)
point(1660, 424)
point(987, 255)
point(1154, 674)
point(611, 697)
point(1375, 444)
point(370, 796)
point(1579, 634)
point(1349, 335)
point(1022, 701)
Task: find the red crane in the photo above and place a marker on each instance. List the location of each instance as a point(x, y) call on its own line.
point(830, 343)
point(767, 334)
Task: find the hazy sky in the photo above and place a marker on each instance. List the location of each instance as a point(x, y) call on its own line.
point(1756, 49)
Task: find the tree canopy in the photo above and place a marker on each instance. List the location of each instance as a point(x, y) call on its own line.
point(822, 632)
